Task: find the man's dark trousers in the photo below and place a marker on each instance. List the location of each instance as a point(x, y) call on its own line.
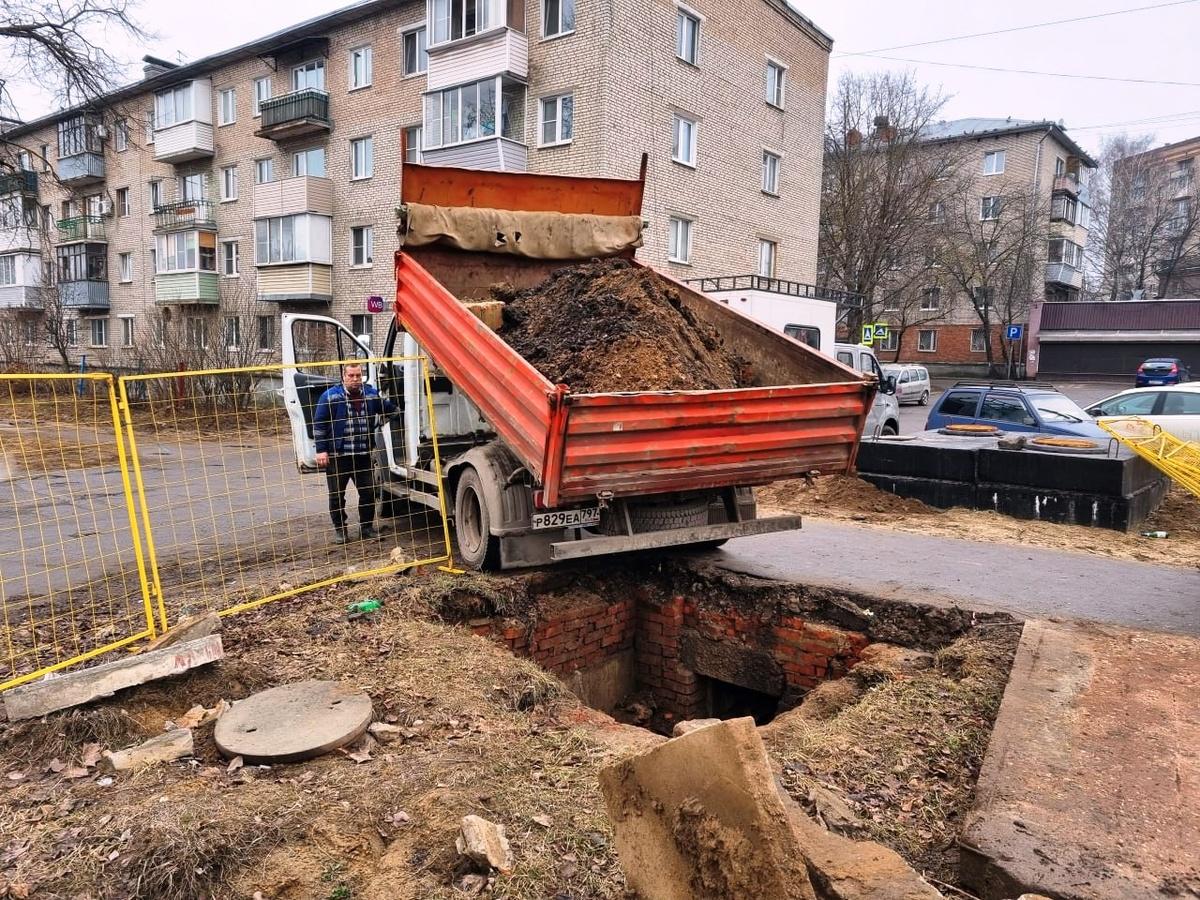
point(342, 469)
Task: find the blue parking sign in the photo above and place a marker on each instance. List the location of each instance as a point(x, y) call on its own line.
point(1013, 332)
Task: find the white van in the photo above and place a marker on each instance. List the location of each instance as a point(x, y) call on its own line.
point(884, 418)
point(912, 382)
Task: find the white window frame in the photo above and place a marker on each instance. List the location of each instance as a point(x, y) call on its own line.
point(933, 335)
point(237, 263)
point(420, 39)
point(229, 178)
point(264, 163)
point(299, 155)
point(222, 118)
point(684, 140)
point(188, 323)
point(125, 268)
point(368, 246)
point(308, 68)
point(771, 174)
point(412, 150)
point(366, 54)
point(778, 97)
point(768, 253)
point(562, 31)
point(259, 95)
point(128, 335)
point(121, 135)
point(174, 106)
point(192, 187)
point(934, 293)
point(990, 212)
point(156, 196)
point(685, 15)
point(102, 323)
point(982, 348)
point(124, 205)
point(231, 337)
point(265, 342)
point(367, 142)
point(680, 226)
point(555, 104)
point(71, 326)
point(891, 343)
point(990, 158)
point(8, 270)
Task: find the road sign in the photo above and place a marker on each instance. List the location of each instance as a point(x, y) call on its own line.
point(1013, 332)
point(375, 304)
point(868, 334)
point(881, 331)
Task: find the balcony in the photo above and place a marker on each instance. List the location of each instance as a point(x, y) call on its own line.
point(1067, 183)
point(294, 115)
point(20, 237)
point(501, 51)
point(1063, 274)
point(186, 288)
point(80, 169)
point(185, 215)
point(493, 154)
point(20, 296)
point(1180, 186)
point(18, 183)
point(81, 228)
point(84, 294)
point(299, 283)
point(289, 196)
point(183, 142)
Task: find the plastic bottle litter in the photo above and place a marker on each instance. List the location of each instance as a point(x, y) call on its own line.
point(1156, 534)
point(362, 607)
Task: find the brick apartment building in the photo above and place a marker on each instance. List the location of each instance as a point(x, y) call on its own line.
point(1003, 155)
point(210, 196)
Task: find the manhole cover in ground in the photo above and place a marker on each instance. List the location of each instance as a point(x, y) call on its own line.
point(1065, 445)
point(965, 429)
point(293, 722)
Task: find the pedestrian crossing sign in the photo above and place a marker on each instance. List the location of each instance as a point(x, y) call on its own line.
point(868, 335)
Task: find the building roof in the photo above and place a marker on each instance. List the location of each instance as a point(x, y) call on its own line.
point(968, 129)
point(1128, 315)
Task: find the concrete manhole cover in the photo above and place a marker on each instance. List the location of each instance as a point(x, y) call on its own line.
point(293, 722)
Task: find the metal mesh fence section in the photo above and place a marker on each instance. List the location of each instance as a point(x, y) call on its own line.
point(73, 584)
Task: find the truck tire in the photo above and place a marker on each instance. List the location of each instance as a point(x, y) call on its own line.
point(661, 516)
point(477, 546)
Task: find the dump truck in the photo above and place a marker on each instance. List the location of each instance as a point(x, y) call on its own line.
point(533, 472)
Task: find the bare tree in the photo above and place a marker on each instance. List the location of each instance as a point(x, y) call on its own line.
point(993, 251)
point(882, 178)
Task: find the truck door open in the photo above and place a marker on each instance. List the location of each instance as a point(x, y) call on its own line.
point(312, 339)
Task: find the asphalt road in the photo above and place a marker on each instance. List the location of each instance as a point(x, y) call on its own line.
point(1025, 581)
point(912, 417)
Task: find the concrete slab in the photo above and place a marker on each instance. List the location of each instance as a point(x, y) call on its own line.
point(1091, 783)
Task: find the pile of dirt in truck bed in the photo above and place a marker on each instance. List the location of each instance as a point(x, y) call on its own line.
point(606, 326)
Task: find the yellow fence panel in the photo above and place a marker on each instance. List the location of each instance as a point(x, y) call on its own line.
point(1177, 458)
point(231, 520)
point(73, 583)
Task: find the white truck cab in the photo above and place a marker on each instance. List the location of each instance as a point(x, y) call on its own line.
point(884, 417)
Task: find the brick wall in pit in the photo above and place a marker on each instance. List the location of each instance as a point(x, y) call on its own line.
point(570, 640)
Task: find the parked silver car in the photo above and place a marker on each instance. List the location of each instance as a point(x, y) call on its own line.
point(912, 383)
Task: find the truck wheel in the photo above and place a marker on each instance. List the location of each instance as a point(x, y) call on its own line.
point(477, 546)
point(661, 516)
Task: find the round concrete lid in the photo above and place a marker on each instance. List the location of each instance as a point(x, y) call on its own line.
point(293, 722)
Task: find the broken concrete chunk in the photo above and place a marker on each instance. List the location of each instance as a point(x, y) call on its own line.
point(163, 748)
point(833, 810)
point(385, 733)
point(485, 844)
point(191, 628)
point(687, 727)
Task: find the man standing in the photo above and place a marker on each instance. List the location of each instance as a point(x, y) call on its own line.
point(343, 425)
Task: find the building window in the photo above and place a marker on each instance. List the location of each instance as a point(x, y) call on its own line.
point(82, 262)
point(993, 162)
point(679, 240)
point(360, 68)
point(558, 17)
point(126, 331)
point(766, 258)
point(125, 265)
point(558, 114)
point(309, 76)
point(891, 343)
point(191, 187)
point(416, 52)
point(150, 126)
point(989, 209)
point(454, 19)
point(931, 299)
point(362, 245)
point(770, 172)
point(937, 213)
point(361, 326)
point(45, 157)
point(196, 332)
point(977, 340)
point(72, 329)
point(229, 183)
point(186, 251)
point(227, 107)
point(266, 333)
point(233, 332)
point(296, 238)
point(8, 270)
point(683, 140)
point(264, 171)
point(99, 332)
point(362, 158)
point(469, 112)
point(262, 91)
point(121, 136)
point(927, 340)
point(155, 195)
point(687, 36)
point(173, 106)
point(123, 208)
point(412, 144)
point(776, 73)
point(229, 259)
point(1066, 252)
point(309, 162)
point(78, 135)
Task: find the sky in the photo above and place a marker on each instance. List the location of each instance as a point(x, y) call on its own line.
point(1151, 44)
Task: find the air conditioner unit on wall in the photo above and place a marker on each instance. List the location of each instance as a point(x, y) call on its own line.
point(106, 207)
point(102, 132)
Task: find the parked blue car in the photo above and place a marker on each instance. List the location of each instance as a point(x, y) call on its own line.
point(1012, 407)
point(1162, 370)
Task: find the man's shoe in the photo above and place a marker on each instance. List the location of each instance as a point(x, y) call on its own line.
point(367, 532)
point(340, 536)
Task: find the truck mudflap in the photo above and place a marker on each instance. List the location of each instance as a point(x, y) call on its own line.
point(651, 540)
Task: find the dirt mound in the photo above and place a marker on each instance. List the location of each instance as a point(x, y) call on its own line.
point(608, 326)
point(846, 493)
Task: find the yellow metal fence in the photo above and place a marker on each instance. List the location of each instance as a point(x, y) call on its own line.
point(129, 503)
point(1177, 458)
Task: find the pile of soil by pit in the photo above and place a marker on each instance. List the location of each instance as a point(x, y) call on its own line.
point(606, 326)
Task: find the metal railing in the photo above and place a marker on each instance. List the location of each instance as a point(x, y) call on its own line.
point(21, 182)
point(776, 286)
point(81, 228)
point(309, 104)
point(185, 214)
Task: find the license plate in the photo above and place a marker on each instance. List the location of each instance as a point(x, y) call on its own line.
point(1155, 381)
point(566, 518)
